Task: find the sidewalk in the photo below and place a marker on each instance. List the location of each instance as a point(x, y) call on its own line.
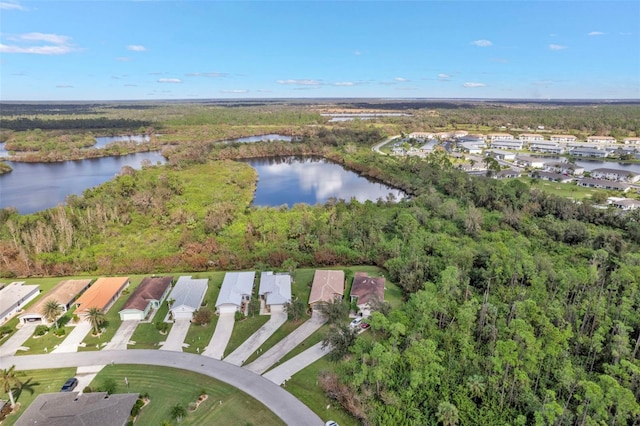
point(73, 340)
point(14, 342)
point(250, 345)
point(220, 337)
point(123, 335)
point(175, 339)
point(284, 371)
point(283, 347)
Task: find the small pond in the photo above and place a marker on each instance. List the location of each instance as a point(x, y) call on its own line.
point(260, 138)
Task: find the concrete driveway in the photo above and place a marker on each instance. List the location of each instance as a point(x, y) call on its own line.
point(14, 342)
point(220, 337)
point(254, 341)
point(284, 371)
point(123, 335)
point(291, 410)
point(283, 347)
point(73, 340)
point(176, 336)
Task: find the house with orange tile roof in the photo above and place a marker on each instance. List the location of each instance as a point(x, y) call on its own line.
point(102, 294)
point(147, 296)
point(65, 293)
point(327, 286)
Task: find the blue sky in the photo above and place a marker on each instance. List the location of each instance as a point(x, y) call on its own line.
point(129, 50)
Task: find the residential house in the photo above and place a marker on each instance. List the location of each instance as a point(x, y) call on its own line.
point(65, 293)
point(327, 286)
point(589, 152)
point(14, 296)
point(507, 144)
point(546, 147)
point(506, 174)
point(615, 174)
point(102, 294)
point(421, 135)
point(601, 139)
point(235, 292)
point(626, 204)
point(552, 177)
point(366, 290)
point(477, 139)
point(186, 296)
point(564, 168)
point(470, 147)
point(530, 137)
point(73, 408)
point(604, 184)
point(145, 298)
point(274, 291)
point(501, 155)
point(562, 138)
point(460, 133)
point(429, 146)
point(500, 136)
point(533, 162)
point(632, 141)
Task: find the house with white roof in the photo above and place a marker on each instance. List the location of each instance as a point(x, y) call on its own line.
point(615, 174)
point(274, 291)
point(500, 136)
point(527, 161)
point(562, 138)
point(546, 147)
point(530, 137)
point(624, 203)
point(14, 296)
point(507, 144)
point(501, 155)
point(235, 292)
point(421, 135)
point(187, 296)
point(632, 141)
point(563, 168)
point(601, 139)
point(589, 152)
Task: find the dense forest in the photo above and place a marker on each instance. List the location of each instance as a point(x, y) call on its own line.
point(520, 307)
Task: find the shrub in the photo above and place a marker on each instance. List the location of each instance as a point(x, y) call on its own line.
point(41, 330)
point(87, 389)
point(4, 330)
point(162, 326)
point(239, 316)
point(59, 332)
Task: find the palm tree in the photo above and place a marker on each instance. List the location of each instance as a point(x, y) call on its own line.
point(476, 386)
point(178, 412)
point(51, 311)
point(447, 414)
point(96, 319)
point(10, 380)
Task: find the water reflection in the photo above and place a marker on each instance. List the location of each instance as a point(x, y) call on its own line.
point(103, 141)
point(292, 180)
point(260, 138)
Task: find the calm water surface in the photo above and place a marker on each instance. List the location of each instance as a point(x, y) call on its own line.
point(260, 138)
point(33, 187)
point(292, 180)
point(103, 141)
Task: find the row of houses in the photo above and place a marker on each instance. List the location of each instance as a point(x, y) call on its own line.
point(529, 138)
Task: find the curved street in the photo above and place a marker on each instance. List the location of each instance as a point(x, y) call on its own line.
point(278, 400)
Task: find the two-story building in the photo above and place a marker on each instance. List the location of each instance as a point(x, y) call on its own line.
point(615, 174)
point(563, 138)
point(530, 137)
point(601, 139)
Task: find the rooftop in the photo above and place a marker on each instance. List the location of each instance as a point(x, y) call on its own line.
point(234, 286)
point(101, 293)
point(277, 287)
point(151, 288)
point(189, 292)
point(367, 288)
point(326, 284)
point(14, 292)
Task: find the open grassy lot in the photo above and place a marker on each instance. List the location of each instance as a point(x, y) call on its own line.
point(304, 385)
point(167, 387)
point(37, 382)
point(568, 190)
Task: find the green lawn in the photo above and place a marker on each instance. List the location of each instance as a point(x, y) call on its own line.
point(243, 329)
point(567, 190)
point(167, 387)
point(37, 344)
point(316, 337)
point(37, 382)
point(280, 334)
point(199, 336)
point(304, 386)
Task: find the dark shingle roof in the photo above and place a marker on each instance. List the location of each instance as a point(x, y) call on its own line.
point(151, 288)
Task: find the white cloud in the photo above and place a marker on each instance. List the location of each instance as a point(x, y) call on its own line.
point(48, 38)
point(206, 74)
point(39, 44)
point(557, 47)
point(169, 80)
point(595, 33)
point(474, 85)
point(444, 77)
point(300, 82)
point(482, 43)
point(136, 48)
point(401, 79)
point(344, 83)
point(12, 5)
point(234, 91)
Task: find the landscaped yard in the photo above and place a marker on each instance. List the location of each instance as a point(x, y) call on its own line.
point(167, 387)
point(37, 382)
point(243, 329)
point(198, 336)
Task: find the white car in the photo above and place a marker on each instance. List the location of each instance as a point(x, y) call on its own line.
point(356, 322)
point(331, 423)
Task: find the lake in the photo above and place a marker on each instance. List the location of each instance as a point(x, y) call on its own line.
point(103, 141)
point(33, 187)
point(292, 180)
point(260, 138)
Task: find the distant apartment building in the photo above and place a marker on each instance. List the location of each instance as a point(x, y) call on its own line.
point(500, 136)
point(601, 139)
point(589, 152)
point(562, 138)
point(421, 135)
point(507, 144)
point(615, 174)
point(546, 147)
point(631, 141)
point(563, 168)
point(530, 137)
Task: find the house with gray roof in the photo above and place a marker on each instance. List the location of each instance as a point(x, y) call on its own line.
point(187, 296)
point(274, 290)
point(147, 296)
point(604, 184)
point(507, 144)
point(615, 174)
point(551, 176)
point(589, 152)
point(235, 292)
point(14, 296)
point(74, 409)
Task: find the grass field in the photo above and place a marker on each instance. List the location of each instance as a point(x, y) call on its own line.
point(37, 382)
point(167, 387)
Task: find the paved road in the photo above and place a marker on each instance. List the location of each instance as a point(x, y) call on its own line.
point(287, 369)
point(376, 148)
point(176, 336)
point(283, 347)
point(278, 400)
point(123, 335)
point(221, 336)
point(250, 345)
point(73, 340)
point(13, 343)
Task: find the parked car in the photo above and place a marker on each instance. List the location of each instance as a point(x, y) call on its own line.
point(356, 322)
point(331, 423)
point(69, 385)
point(364, 325)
